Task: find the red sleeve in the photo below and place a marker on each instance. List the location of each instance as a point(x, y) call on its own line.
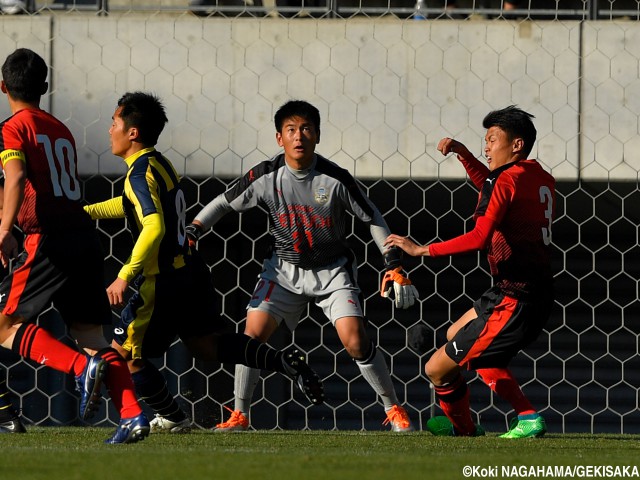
point(476, 239)
point(477, 171)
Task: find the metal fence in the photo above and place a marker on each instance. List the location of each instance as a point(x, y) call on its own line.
point(433, 9)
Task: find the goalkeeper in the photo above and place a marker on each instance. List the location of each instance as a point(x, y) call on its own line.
point(308, 199)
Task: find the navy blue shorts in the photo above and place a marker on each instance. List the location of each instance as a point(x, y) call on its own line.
point(181, 303)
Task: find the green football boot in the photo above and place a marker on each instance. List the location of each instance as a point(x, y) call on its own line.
point(442, 427)
point(532, 428)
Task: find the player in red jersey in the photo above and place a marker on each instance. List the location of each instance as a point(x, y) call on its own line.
point(62, 260)
point(513, 222)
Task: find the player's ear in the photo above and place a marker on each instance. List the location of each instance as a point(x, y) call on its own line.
point(279, 139)
point(517, 145)
point(45, 87)
point(134, 134)
point(3, 87)
point(318, 138)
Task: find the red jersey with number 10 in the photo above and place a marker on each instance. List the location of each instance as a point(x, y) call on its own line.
point(52, 189)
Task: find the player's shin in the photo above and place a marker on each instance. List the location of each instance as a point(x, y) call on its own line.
point(501, 381)
point(151, 388)
point(244, 384)
point(37, 344)
point(454, 401)
point(241, 349)
point(375, 371)
point(118, 382)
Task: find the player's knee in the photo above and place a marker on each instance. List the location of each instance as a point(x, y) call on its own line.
point(355, 352)
point(451, 332)
point(361, 350)
point(434, 372)
point(356, 348)
point(260, 326)
point(429, 371)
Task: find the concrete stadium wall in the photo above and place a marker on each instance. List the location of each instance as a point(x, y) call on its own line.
point(387, 89)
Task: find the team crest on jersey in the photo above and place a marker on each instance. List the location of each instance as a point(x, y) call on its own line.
point(322, 196)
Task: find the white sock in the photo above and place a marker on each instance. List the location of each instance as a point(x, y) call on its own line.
point(376, 372)
point(244, 383)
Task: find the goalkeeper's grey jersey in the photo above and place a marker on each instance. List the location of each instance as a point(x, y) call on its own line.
point(308, 210)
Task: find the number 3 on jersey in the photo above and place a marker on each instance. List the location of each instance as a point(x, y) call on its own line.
point(61, 158)
point(546, 198)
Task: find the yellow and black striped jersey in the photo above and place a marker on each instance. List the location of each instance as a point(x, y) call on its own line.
point(154, 205)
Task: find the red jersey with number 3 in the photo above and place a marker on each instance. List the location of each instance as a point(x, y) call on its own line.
point(52, 189)
point(520, 198)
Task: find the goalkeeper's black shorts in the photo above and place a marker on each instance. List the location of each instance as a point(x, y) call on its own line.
point(503, 327)
point(181, 303)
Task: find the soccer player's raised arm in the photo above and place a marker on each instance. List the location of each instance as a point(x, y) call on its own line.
point(477, 172)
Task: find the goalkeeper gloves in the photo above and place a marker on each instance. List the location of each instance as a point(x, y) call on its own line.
point(194, 232)
point(395, 283)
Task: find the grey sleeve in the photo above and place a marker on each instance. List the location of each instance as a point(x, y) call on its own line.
point(379, 230)
point(213, 211)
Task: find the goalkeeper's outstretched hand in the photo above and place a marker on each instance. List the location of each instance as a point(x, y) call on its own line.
point(398, 287)
point(194, 232)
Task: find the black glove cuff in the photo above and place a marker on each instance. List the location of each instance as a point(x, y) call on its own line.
point(194, 231)
point(392, 258)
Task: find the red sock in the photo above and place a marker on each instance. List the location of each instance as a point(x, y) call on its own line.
point(454, 401)
point(118, 382)
point(37, 344)
point(501, 381)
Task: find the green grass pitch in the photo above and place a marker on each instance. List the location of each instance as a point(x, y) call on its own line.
point(47, 453)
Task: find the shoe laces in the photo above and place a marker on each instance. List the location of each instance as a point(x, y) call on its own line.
point(397, 416)
point(236, 418)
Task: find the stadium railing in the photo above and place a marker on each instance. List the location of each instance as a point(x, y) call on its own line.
point(441, 9)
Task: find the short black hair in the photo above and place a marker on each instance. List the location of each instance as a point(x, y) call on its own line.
point(25, 75)
point(516, 123)
point(146, 112)
point(297, 108)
